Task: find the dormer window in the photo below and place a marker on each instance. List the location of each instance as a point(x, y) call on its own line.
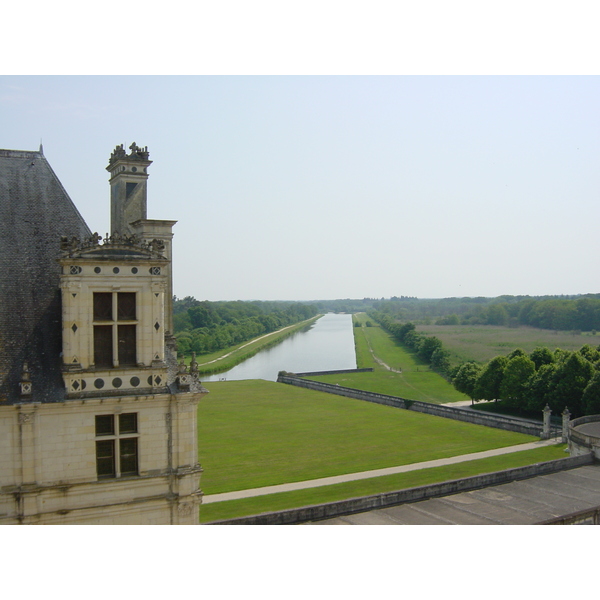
point(115, 325)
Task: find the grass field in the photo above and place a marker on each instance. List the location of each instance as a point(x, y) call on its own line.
point(482, 342)
point(259, 433)
point(376, 485)
point(416, 380)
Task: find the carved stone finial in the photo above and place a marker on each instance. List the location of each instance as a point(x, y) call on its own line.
point(26, 387)
point(182, 366)
point(138, 153)
point(118, 152)
point(193, 365)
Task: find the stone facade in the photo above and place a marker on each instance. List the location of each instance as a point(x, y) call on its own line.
point(48, 463)
point(112, 439)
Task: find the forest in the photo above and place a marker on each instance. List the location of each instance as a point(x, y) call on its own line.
point(203, 326)
point(563, 313)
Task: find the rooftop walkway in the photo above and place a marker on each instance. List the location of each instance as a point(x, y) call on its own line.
point(517, 503)
point(312, 483)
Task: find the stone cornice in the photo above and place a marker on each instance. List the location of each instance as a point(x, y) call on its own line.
point(82, 248)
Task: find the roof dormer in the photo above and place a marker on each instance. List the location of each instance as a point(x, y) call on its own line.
point(113, 315)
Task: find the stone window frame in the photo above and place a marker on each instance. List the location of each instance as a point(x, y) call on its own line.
point(117, 445)
point(118, 326)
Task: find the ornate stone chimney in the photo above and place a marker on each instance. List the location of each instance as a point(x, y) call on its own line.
point(128, 187)
point(128, 214)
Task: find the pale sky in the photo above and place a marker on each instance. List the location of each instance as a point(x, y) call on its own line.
point(301, 187)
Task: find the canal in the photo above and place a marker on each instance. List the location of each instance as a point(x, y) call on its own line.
point(326, 345)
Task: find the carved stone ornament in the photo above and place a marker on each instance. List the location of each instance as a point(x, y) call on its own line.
point(194, 365)
point(26, 387)
point(137, 153)
point(185, 509)
point(25, 418)
point(73, 244)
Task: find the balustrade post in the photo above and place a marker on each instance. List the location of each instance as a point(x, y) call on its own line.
point(566, 418)
point(546, 428)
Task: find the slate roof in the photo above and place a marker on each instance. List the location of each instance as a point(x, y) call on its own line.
point(35, 211)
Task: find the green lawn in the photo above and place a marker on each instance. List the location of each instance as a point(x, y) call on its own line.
point(416, 381)
point(332, 493)
point(259, 433)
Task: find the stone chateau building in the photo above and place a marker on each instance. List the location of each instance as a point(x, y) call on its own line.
point(97, 419)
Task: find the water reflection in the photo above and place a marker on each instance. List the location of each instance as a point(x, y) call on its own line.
point(327, 345)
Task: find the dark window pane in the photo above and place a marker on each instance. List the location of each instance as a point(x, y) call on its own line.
point(103, 306)
point(127, 353)
point(105, 458)
point(129, 187)
point(128, 456)
point(126, 306)
point(105, 425)
point(103, 350)
point(128, 423)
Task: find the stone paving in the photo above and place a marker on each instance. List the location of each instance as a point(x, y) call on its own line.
point(518, 503)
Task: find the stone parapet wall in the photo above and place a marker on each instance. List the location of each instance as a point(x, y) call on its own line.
point(580, 442)
point(435, 490)
point(589, 516)
point(448, 412)
point(336, 372)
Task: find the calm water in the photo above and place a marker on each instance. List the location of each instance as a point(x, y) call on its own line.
point(327, 345)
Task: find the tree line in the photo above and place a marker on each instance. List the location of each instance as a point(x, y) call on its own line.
point(523, 382)
point(203, 327)
point(564, 313)
point(560, 379)
point(428, 347)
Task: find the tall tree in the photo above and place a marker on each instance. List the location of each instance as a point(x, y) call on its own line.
point(490, 379)
point(570, 380)
point(591, 396)
point(427, 346)
point(466, 378)
point(539, 386)
point(513, 389)
point(541, 356)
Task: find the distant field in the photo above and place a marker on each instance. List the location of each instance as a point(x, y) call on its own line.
point(483, 342)
point(416, 381)
point(260, 433)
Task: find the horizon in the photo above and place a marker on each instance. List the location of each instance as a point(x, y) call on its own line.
point(401, 297)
